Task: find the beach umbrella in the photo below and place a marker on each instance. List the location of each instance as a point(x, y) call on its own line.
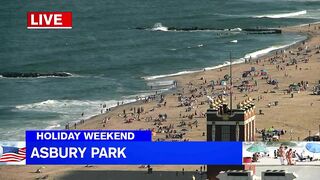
point(276, 143)
point(313, 147)
point(257, 148)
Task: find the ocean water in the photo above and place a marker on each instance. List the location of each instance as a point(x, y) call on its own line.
point(111, 60)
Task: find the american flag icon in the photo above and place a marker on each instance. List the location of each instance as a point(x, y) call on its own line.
point(12, 154)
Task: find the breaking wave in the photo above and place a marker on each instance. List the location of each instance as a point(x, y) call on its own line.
point(168, 75)
point(159, 27)
point(234, 29)
point(73, 106)
point(283, 15)
point(161, 83)
point(265, 51)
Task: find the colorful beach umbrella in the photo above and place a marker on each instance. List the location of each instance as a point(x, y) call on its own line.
point(277, 143)
point(313, 147)
point(257, 148)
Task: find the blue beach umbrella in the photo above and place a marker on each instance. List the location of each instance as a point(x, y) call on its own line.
point(313, 147)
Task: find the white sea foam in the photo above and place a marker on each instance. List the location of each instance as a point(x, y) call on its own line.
point(159, 27)
point(234, 41)
point(234, 29)
point(71, 110)
point(168, 75)
point(53, 126)
point(283, 15)
point(265, 51)
point(253, 55)
point(61, 106)
point(160, 83)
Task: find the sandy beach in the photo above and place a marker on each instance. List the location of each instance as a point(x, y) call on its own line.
point(174, 120)
point(297, 115)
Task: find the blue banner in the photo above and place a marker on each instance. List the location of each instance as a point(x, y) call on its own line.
point(88, 135)
point(129, 153)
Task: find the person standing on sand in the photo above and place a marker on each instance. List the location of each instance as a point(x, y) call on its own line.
point(289, 155)
point(282, 154)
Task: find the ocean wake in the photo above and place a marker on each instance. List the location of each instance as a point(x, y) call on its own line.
point(283, 15)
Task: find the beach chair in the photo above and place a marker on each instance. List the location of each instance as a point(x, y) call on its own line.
point(301, 158)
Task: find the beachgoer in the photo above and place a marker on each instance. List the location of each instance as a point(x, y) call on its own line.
point(282, 154)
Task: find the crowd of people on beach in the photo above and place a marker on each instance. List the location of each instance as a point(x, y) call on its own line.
point(196, 94)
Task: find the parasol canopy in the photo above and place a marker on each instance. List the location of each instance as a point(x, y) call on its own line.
point(313, 147)
point(257, 148)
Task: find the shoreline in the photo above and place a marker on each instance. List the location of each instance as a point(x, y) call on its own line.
point(96, 121)
point(298, 116)
point(174, 76)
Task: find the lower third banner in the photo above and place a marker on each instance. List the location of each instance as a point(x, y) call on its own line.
point(125, 153)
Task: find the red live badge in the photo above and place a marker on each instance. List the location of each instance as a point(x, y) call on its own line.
point(49, 20)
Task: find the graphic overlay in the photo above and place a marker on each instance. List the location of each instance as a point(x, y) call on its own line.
point(12, 153)
point(282, 153)
point(88, 135)
point(124, 147)
point(49, 20)
point(127, 153)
